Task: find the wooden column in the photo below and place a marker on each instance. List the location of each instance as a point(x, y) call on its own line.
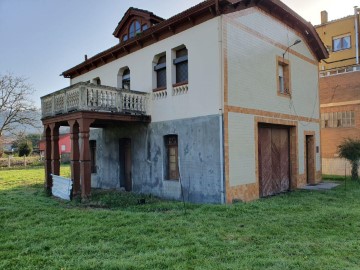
point(75, 156)
point(55, 155)
point(48, 179)
point(85, 163)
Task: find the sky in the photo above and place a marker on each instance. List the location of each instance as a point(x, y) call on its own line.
point(39, 39)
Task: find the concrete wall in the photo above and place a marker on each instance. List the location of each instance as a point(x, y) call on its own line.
point(204, 65)
point(199, 152)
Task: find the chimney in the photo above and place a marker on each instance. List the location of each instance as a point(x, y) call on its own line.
point(85, 57)
point(324, 16)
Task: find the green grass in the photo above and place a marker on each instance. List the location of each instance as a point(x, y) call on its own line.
point(297, 230)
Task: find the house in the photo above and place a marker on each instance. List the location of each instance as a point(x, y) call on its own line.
point(339, 88)
point(64, 146)
point(217, 103)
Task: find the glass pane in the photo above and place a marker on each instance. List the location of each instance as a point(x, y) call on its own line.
point(182, 72)
point(346, 42)
point(161, 78)
point(336, 44)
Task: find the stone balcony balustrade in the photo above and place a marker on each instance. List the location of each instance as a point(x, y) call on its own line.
point(90, 97)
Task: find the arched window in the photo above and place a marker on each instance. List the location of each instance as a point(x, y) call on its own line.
point(126, 79)
point(160, 70)
point(181, 65)
point(135, 27)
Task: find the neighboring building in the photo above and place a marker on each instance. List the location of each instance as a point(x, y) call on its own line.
point(64, 146)
point(226, 105)
point(339, 88)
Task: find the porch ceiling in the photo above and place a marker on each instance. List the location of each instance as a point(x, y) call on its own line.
point(101, 119)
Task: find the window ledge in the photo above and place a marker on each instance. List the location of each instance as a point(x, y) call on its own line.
point(159, 89)
point(180, 83)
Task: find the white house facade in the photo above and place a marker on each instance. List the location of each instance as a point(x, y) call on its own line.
point(216, 104)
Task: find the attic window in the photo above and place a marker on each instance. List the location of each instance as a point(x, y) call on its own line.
point(135, 27)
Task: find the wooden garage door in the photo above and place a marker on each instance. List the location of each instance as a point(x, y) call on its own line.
point(274, 160)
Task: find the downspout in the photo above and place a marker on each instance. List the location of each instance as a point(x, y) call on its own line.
point(356, 34)
point(221, 111)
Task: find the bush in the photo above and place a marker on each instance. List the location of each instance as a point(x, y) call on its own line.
point(25, 148)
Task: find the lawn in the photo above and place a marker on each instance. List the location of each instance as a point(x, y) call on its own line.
point(297, 230)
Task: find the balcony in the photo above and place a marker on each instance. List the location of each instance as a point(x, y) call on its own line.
point(90, 97)
point(339, 70)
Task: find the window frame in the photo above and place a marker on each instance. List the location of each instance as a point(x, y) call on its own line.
point(171, 144)
point(126, 79)
point(283, 77)
point(180, 60)
point(160, 69)
point(341, 39)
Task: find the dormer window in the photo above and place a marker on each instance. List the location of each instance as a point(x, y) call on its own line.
point(135, 27)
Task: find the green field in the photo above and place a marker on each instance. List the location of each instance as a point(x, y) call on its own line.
point(297, 230)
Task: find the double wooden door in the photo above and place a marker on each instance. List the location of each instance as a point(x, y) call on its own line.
point(274, 159)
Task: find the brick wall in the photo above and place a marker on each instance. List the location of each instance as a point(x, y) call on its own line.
point(339, 93)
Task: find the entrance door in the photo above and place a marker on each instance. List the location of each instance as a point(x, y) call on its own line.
point(310, 159)
point(125, 163)
point(274, 159)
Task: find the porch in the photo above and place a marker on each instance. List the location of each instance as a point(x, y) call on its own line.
point(83, 106)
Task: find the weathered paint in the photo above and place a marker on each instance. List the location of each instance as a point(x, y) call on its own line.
point(199, 151)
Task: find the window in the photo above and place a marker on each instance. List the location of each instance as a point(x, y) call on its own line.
point(126, 79)
point(181, 65)
point(171, 157)
point(135, 27)
point(93, 155)
point(160, 70)
point(125, 38)
point(96, 81)
point(63, 147)
point(341, 43)
point(283, 76)
point(144, 27)
point(338, 119)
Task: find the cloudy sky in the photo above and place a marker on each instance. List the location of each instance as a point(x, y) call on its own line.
point(42, 38)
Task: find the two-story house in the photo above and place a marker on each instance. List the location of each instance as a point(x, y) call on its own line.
point(217, 103)
point(339, 88)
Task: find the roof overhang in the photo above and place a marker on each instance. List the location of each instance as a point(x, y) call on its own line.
point(195, 15)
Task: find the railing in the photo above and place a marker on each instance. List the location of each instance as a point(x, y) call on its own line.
point(89, 97)
point(340, 70)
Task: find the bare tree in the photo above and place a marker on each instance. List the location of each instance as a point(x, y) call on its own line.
point(16, 107)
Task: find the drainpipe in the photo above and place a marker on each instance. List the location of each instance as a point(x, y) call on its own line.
point(356, 34)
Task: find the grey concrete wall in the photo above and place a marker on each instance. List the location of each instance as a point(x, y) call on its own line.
point(199, 153)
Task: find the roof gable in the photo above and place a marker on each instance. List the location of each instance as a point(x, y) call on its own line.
point(141, 15)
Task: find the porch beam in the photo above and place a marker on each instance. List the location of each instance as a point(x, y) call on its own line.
point(75, 156)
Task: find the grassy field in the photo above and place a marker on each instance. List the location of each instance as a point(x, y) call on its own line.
point(298, 230)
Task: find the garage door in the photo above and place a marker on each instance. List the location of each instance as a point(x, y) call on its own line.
point(274, 160)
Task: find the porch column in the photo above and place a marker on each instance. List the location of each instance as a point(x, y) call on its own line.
point(85, 165)
point(48, 179)
point(55, 155)
point(74, 156)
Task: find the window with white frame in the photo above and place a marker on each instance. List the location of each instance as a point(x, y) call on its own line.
point(338, 119)
point(181, 65)
point(341, 43)
point(160, 69)
point(126, 79)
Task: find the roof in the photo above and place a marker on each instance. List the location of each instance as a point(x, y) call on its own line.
point(335, 20)
point(136, 12)
point(195, 15)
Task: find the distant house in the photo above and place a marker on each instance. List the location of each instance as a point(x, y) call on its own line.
point(339, 88)
point(64, 146)
point(216, 104)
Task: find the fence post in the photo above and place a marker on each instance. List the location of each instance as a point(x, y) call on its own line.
point(9, 162)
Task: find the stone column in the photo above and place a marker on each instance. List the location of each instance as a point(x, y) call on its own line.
point(85, 165)
point(75, 156)
point(48, 179)
point(55, 155)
